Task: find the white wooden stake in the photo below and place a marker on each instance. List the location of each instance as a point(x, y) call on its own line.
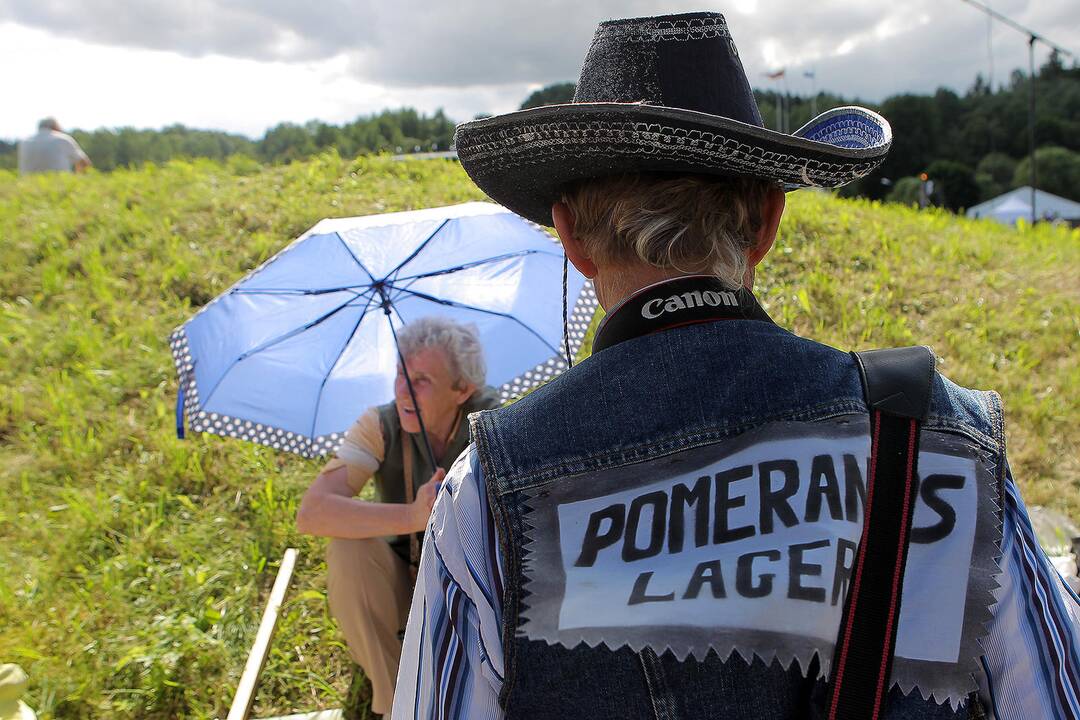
point(245, 691)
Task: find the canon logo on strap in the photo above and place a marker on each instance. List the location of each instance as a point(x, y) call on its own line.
point(656, 307)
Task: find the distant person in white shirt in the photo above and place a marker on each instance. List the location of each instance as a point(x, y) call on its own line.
point(51, 151)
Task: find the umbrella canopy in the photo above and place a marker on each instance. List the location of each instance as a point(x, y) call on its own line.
point(297, 349)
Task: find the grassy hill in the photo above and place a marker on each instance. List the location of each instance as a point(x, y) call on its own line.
point(134, 567)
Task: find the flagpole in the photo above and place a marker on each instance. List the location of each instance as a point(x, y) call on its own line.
point(779, 98)
point(787, 106)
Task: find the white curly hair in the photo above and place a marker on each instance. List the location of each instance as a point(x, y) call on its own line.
point(460, 342)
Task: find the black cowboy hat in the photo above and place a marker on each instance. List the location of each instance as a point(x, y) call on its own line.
point(661, 94)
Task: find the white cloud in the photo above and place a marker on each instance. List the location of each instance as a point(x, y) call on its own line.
point(244, 65)
point(257, 29)
point(87, 86)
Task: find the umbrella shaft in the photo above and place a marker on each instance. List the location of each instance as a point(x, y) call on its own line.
point(408, 383)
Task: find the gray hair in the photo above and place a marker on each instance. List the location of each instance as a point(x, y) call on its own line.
point(48, 123)
point(689, 223)
point(460, 342)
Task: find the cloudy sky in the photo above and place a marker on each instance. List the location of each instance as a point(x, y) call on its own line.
point(245, 65)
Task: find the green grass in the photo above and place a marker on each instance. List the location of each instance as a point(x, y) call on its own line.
point(134, 567)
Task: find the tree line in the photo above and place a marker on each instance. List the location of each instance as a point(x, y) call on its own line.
point(394, 131)
point(974, 146)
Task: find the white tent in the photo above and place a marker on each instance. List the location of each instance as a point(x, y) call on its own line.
point(1011, 209)
point(1016, 204)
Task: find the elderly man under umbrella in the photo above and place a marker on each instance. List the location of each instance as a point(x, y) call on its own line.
point(374, 545)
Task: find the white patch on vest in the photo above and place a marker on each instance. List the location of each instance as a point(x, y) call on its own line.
point(753, 551)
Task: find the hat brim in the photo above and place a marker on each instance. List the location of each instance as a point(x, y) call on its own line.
point(524, 159)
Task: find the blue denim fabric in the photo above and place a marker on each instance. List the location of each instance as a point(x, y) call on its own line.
point(652, 396)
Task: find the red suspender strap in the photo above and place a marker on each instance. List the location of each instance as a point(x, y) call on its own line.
point(897, 385)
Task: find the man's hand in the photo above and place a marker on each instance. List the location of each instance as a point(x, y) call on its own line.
point(420, 509)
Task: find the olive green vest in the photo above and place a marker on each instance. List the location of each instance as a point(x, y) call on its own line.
point(389, 479)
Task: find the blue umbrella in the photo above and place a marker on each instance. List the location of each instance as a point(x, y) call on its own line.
point(293, 353)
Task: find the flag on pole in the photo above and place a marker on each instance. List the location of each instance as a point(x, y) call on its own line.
point(775, 75)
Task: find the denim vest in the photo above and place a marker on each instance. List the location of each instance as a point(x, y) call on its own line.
point(635, 639)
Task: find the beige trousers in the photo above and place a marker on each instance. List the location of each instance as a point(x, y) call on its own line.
point(369, 590)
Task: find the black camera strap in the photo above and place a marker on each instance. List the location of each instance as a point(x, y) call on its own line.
point(674, 303)
point(897, 386)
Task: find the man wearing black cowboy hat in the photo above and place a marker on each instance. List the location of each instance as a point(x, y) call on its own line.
point(712, 517)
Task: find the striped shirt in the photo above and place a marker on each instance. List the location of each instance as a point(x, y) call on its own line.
point(452, 660)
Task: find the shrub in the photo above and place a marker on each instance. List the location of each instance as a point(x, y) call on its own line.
point(905, 191)
point(955, 182)
point(1058, 172)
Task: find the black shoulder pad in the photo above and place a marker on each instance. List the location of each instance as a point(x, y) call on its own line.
point(897, 381)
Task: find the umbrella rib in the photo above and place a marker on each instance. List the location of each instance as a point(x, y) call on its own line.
point(453, 303)
point(353, 256)
point(275, 341)
point(345, 345)
point(297, 291)
point(468, 266)
point(415, 252)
